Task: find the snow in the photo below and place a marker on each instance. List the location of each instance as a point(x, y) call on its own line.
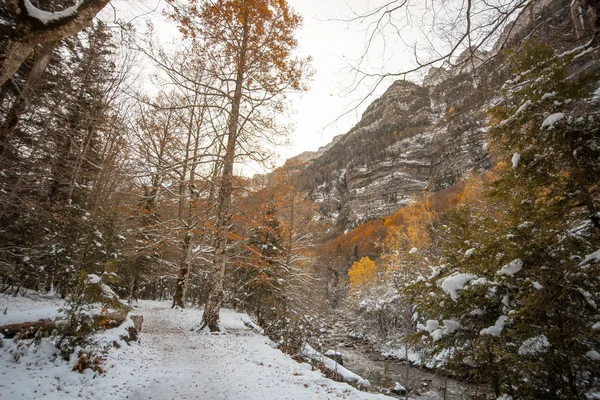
point(251, 324)
point(479, 281)
point(534, 345)
point(450, 326)
point(511, 268)
point(596, 326)
point(593, 355)
point(170, 361)
point(515, 160)
point(469, 252)
point(548, 96)
point(331, 365)
point(524, 106)
point(431, 325)
point(413, 250)
point(470, 362)
point(399, 388)
point(537, 285)
point(588, 297)
point(454, 283)
point(591, 257)
point(496, 329)
point(34, 370)
point(437, 335)
point(46, 17)
point(436, 332)
point(525, 225)
point(552, 119)
point(30, 308)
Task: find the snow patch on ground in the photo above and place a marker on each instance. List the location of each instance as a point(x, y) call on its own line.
point(36, 370)
point(29, 308)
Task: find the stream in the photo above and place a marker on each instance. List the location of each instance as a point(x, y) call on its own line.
point(383, 372)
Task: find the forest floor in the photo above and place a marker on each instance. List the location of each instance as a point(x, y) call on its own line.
point(169, 362)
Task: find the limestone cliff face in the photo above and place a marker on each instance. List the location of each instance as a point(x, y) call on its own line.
point(416, 138)
point(405, 145)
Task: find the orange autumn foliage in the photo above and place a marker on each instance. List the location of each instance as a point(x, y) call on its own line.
point(362, 272)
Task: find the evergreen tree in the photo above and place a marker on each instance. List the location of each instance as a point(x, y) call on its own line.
point(263, 273)
point(516, 298)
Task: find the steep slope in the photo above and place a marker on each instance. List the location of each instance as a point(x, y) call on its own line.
point(420, 138)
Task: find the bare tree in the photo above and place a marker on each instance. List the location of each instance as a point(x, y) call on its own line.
point(249, 46)
point(458, 34)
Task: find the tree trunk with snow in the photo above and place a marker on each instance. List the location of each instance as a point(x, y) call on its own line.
point(210, 317)
point(33, 26)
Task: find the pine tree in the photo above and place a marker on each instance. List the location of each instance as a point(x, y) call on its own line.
point(264, 275)
point(515, 300)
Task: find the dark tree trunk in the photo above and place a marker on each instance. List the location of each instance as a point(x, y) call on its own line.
point(43, 55)
point(182, 276)
point(210, 317)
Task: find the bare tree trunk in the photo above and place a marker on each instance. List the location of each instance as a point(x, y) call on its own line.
point(210, 317)
point(43, 55)
point(14, 55)
point(182, 276)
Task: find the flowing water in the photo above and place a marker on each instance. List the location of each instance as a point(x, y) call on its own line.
point(383, 372)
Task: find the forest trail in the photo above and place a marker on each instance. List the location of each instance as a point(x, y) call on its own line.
point(182, 364)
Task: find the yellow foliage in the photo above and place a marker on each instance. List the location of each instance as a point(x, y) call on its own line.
point(362, 272)
point(409, 226)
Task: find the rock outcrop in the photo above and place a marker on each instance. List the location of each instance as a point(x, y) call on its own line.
point(420, 138)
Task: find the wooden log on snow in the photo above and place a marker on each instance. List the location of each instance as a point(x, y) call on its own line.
point(26, 330)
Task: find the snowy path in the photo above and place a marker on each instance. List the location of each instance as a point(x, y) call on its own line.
point(239, 365)
point(169, 362)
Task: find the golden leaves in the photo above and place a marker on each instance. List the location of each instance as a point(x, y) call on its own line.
point(362, 272)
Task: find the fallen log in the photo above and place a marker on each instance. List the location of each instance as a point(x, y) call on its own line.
point(333, 369)
point(28, 330)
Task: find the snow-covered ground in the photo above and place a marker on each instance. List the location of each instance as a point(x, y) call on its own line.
point(31, 307)
point(170, 362)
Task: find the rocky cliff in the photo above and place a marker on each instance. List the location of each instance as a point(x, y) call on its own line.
point(420, 138)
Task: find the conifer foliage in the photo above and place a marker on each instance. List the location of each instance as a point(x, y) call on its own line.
point(516, 297)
